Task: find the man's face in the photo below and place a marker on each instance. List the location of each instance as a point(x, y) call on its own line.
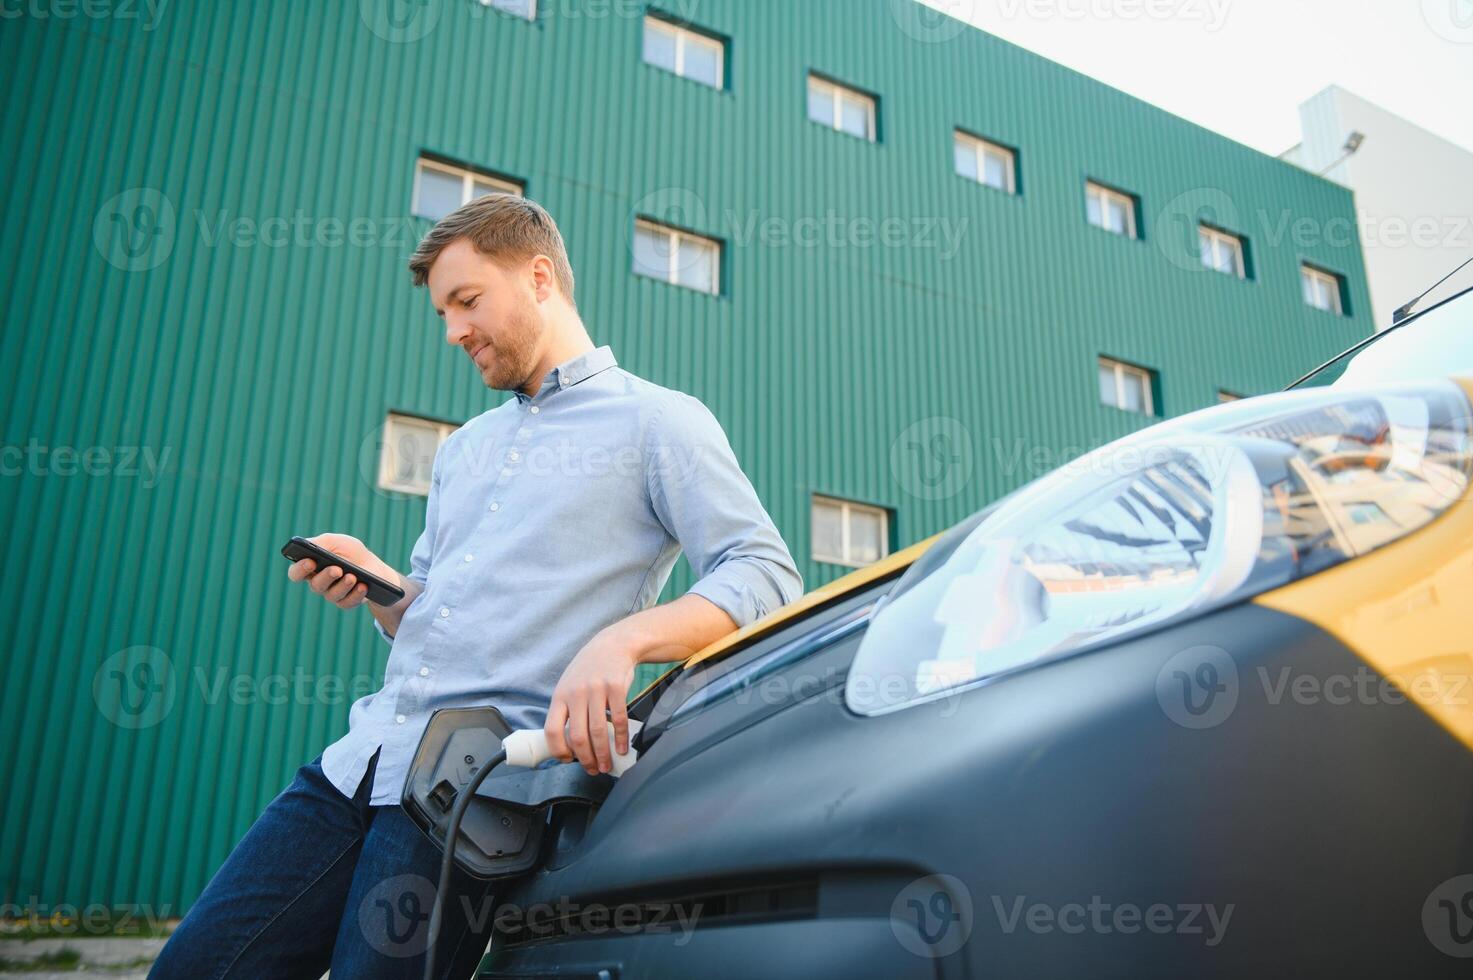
point(491, 313)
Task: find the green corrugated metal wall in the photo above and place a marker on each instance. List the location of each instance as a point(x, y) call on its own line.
point(257, 374)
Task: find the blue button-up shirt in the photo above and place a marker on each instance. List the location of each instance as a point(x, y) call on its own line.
point(550, 518)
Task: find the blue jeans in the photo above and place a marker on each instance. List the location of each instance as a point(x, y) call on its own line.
point(323, 881)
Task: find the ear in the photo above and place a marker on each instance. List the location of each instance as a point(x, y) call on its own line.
point(544, 279)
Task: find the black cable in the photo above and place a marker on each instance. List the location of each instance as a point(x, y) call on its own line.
point(447, 861)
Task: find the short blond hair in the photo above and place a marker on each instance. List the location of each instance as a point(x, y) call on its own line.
point(502, 227)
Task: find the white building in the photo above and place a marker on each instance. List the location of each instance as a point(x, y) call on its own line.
point(1413, 190)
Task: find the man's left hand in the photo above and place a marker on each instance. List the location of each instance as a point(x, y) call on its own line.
point(591, 693)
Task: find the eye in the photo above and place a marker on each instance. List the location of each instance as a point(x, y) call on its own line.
point(470, 303)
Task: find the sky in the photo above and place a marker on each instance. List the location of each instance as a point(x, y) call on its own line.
point(1241, 67)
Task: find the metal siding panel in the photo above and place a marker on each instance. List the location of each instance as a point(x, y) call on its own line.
point(815, 359)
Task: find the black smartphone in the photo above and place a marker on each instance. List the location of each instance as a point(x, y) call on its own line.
point(380, 592)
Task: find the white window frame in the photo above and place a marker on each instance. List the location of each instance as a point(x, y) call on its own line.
point(1215, 239)
point(387, 457)
point(982, 149)
point(676, 238)
point(468, 180)
point(501, 5)
point(684, 36)
point(847, 507)
point(1123, 371)
point(1106, 195)
point(838, 92)
point(1310, 273)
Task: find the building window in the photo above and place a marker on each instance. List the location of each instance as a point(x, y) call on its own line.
point(1110, 209)
point(849, 533)
point(408, 452)
point(677, 257)
point(837, 107)
point(440, 188)
point(526, 9)
point(1127, 387)
point(985, 162)
point(1322, 289)
point(685, 52)
point(1221, 251)
point(1224, 396)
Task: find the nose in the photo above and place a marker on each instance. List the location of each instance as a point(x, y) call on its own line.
point(457, 329)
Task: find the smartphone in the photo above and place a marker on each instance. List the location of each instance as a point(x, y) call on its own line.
point(380, 592)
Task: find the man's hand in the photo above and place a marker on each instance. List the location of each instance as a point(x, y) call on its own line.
point(598, 679)
point(590, 694)
point(332, 583)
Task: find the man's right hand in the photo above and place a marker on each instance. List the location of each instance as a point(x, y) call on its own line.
point(332, 583)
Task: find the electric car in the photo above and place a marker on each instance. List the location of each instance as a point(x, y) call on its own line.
point(1198, 703)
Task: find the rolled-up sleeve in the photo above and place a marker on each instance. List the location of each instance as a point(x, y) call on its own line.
point(709, 506)
point(424, 546)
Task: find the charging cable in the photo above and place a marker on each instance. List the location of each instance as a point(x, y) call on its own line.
point(525, 749)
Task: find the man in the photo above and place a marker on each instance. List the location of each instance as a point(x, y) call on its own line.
point(552, 524)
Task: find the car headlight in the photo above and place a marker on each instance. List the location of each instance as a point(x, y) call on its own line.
point(1180, 518)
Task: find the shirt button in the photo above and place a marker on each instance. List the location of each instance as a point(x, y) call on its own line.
point(495, 506)
point(444, 612)
point(468, 558)
point(514, 456)
point(424, 672)
point(398, 719)
point(535, 409)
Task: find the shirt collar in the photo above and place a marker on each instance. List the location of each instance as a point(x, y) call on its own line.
point(572, 371)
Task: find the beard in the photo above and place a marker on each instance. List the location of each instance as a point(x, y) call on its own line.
point(513, 352)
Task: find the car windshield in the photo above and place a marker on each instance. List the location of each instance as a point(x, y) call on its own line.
point(1437, 343)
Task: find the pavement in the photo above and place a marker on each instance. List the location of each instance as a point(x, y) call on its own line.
point(96, 957)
